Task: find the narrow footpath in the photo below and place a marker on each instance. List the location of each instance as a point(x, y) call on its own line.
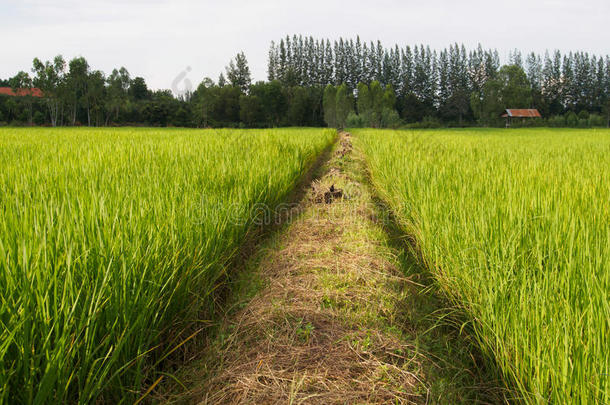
point(336, 312)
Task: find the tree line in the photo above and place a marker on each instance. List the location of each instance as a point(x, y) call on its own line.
point(75, 94)
point(454, 85)
point(313, 82)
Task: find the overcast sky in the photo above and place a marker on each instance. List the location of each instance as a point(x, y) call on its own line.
point(159, 39)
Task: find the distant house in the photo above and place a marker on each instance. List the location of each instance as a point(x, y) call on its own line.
point(523, 113)
point(8, 91)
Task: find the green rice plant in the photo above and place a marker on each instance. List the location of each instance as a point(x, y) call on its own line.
point(515, 226)
point(113, 240)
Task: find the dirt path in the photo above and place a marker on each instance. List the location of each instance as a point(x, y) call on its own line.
point(336, 313)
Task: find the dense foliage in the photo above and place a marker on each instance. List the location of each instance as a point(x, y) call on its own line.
point(112, 241)
point(454, 86)
point(515, 230)
point(449, 86)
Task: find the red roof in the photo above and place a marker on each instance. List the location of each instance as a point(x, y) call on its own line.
point(522, 113)
point(34, 91)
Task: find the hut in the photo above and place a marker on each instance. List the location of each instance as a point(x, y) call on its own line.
point(522, 114)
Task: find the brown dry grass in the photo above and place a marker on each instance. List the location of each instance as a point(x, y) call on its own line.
point(334, 322)
point(313, 334)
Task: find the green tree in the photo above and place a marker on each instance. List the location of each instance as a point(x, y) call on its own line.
point(345, 105)
point(21, 84)
point(329, 102)
point(76, 85)
point(376, 102)
point(49, 78)
point(272, 63)
point(204, 100)
point(299, 107)
point(117, 93)
point(273, 100)
point(227, 106)
point(389, 115)
point(95, 96)
point(515, 90)
point(251, 111)
point(238, 73)
point(389, 97)
point(510, 89)
point(221, 80)
point(364, 103)
point(138, 90)
point(606, 110)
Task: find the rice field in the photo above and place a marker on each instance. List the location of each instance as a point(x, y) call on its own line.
point(112, 240)
point(514, 225)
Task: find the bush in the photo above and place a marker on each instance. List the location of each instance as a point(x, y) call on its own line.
point(571, 119)
point(596, 120)
point(369, 120)
point(583, 115)
point(556, 121)
point(23, 117)
point(427, 122)
point(390, 118)
point(355, 121)
point(38, 118)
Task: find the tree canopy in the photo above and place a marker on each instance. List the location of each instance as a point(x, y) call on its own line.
point(370, 84)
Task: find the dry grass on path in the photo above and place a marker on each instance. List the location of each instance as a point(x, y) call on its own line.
point(333, 322)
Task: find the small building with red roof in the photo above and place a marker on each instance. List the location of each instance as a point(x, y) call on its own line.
point(522, 113)
point(8, 91)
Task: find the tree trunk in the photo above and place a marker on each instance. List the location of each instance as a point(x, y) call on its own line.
point(53, 111)
point(74, 115)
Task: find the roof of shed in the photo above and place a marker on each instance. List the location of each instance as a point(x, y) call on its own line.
point(522, 113)
point(8, 91)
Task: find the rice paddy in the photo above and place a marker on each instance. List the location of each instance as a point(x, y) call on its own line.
point(113, 240)
point(114, 243)
point(514, 225)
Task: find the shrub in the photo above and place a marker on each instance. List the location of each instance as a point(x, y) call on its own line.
point(390, 118)
point(556, 121)
point(355, 121)
point(571, 119)
point(38, 118)
point(428, 122)
point(596, 120)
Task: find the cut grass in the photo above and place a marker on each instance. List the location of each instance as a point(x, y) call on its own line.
point(112, 242)
point(514, 227)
